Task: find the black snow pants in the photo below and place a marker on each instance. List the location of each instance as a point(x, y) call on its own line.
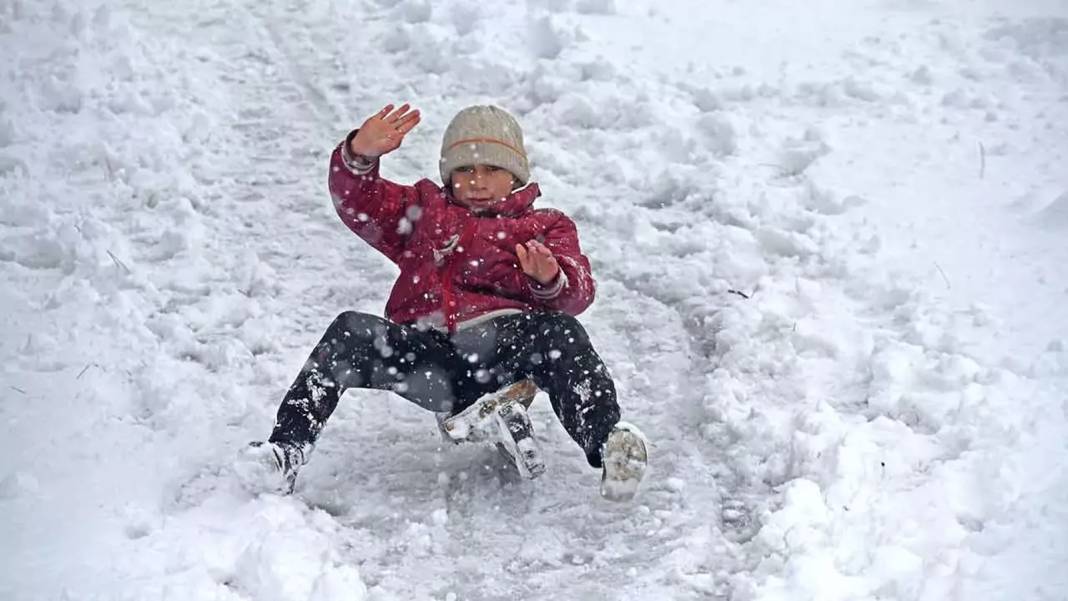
point(448, 372)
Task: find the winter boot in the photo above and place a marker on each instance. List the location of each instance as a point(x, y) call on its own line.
point(624, 458)
point(271, 466)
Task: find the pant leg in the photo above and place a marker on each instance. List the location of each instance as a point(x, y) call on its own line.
point(360, 350)
point(555, 351)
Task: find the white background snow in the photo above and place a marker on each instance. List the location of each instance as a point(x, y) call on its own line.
point(883, 418)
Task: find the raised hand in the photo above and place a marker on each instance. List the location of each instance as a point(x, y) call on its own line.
point(537, 261)
point(384, 131)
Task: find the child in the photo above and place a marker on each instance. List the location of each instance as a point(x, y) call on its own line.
point(487, 294)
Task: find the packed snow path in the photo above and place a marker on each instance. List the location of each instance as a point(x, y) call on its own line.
point(830, 243)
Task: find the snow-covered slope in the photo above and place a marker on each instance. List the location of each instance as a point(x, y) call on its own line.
point(831, 246)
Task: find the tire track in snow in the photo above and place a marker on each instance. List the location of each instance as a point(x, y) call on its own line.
point(327, 115)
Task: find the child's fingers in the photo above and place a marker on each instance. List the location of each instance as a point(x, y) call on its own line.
point(541, 248)
point(536, 256)
point(385, 111)
point(408, 122)
point(400, 112)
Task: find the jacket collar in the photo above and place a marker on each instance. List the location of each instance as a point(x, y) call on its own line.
point(512, 205)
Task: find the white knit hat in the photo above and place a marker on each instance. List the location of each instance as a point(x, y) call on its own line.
point(484, 135)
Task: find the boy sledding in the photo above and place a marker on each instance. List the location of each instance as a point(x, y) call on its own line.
point(486, 299)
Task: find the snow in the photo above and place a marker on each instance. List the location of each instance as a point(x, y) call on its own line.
point(829, 241)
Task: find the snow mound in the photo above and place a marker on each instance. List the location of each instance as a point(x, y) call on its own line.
point(546, 39)
point(1055, 214)
point(287, 561)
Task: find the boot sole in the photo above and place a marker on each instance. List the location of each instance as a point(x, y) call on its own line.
point(625, 458)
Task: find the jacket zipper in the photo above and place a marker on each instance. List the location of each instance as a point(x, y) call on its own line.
point(447, 295)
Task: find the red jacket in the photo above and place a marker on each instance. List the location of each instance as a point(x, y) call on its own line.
point(455, 264)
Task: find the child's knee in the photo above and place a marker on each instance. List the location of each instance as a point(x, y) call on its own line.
point(564, 330)
point(356, 323)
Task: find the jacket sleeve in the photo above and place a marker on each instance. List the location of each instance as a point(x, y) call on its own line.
point(573, 289)
point(376, 209)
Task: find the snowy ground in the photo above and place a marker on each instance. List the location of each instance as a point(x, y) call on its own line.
point(884, 417)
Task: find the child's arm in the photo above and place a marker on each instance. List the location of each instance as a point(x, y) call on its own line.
point(558, 273)
point(372, 207)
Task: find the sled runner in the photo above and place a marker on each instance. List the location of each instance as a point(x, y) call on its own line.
point(500, 418)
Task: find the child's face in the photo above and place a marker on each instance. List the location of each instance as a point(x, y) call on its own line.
point(481, 185)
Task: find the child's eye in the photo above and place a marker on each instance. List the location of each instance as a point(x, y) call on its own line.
point(465, 169)
point(492, 168)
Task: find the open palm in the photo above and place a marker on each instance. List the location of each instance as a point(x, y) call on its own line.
point(537, 261)
point(384, 131)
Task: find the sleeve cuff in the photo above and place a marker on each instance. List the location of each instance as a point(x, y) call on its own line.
point(360, 165)
point(551, 290)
